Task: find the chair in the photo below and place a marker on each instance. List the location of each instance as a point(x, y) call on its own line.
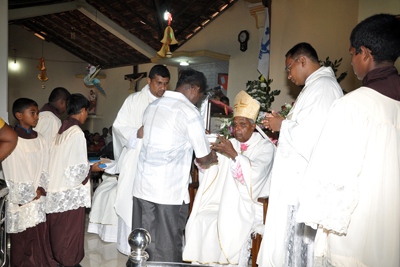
point(257, 238)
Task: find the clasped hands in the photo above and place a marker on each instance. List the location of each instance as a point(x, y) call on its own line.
point(273, 121)
point(224, 147)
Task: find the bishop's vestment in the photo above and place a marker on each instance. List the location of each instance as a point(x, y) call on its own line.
point(224, 210)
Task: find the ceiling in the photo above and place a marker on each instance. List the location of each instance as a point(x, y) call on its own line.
point(114, 33)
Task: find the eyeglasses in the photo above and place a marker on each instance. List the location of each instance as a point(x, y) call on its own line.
point(288, 68)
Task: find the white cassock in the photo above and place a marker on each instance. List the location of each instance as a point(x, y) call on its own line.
point(298, 136)
point(103, 219)
point(224, 210)
point(352, 185)
point(48, 125)
point(126, 125)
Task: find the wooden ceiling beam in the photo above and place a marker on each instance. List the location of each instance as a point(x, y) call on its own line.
point(78, 37)
point(76, 29)
point(30, 12)
point(129, 9)
point(109, 25)
point(48, 29)
point(146, 7)
point(158, 17)
point(63, 45)
point(109, 42)
point(118, 15)
point(177, 15)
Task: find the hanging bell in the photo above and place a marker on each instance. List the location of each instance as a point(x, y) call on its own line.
point(42, 76)
point(169, 39)
point(41, 66)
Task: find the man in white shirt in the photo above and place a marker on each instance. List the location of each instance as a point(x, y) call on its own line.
point(49, 115)
point(285, 242)
point(173, 129)
point(225, 211)
point(127, 142)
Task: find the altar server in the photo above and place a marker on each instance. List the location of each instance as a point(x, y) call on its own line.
point(286, 243)
point(49, 115)
point(69, 187)
point(127, 142)
point(26, 174)
point(352, 185)
point(225, 210)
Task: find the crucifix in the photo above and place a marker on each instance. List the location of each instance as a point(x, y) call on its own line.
point(134, 78)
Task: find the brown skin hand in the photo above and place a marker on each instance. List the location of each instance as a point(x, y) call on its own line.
point(8, 141)
point(140, 133)
point(38, 194)
point(273, 122)
point(242, 131)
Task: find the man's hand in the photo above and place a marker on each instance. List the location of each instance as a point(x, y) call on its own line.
point(273, 122)
point(140, 133)
point(96, 168)
point(215, 157)
point(38, 194)
point(224, 147)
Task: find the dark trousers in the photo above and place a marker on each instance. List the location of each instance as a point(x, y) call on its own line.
point(166, 224)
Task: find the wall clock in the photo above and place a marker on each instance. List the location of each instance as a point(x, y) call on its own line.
point(243, 38)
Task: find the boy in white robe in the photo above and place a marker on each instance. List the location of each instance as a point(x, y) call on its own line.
point(26, 174)
point(69, 185)
point(225, 210)
point(285, 242)
point(352, 185)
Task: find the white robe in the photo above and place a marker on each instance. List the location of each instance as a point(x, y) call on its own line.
point(352, 185)
point(103, 219)
point(25, 170)
point(68, 168)
point(128, 121)
point(224, 210)
point(48, 125)
point(298, 135)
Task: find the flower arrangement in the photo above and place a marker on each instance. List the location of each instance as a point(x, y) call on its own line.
point(285, 109)
point(261, 91)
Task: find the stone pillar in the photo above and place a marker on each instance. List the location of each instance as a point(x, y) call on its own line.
point(4, 59)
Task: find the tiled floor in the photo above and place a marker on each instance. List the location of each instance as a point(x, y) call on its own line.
point(101, 254)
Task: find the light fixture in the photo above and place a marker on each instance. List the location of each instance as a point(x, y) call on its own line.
point(38, 35)
point(166, 15)
point(184, 63)
point(14, 65)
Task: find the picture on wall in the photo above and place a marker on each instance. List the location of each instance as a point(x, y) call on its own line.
point(223, 80)
point(93, 101)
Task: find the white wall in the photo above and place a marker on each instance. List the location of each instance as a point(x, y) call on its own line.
point(325, 24)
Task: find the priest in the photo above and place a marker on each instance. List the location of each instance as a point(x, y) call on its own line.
point(127, 142)
point(49, 115)
point(351, 188)
point(285, 242)
point(225, 210)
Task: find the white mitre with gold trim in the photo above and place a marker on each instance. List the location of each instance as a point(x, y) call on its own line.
point(245, 106)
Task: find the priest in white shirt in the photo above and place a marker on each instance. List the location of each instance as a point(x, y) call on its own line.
point(173, 129)
point(351, 187)
point(285, 242)
point(127, 142)
point(225, 210)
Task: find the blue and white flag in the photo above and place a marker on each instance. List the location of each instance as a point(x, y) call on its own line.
point(263, 58)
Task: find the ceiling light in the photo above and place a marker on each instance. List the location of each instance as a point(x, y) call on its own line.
point(205, 22)
point(41, 37)
point(213, 15)
point(190, 35)
point(166, 15)
point(184, 63)
point(223, 7)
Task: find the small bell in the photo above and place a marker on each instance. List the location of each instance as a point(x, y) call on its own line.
point(42, 76)
point(41, 66)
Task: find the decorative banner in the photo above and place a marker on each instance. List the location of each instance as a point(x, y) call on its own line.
point(263, 59)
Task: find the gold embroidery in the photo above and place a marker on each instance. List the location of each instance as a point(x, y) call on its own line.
point(240, 105)
point(222, 248)
point(211, 182)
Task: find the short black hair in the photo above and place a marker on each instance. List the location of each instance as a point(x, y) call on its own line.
point(58, 93)
point(105, 128)
point(303, 49)
point(75, 103)
point(193, 77)
point(224, 98)
point(380, 34)
point(21, 104)
point(159, 70)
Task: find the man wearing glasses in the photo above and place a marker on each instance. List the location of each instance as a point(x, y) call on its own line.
point(285, 242)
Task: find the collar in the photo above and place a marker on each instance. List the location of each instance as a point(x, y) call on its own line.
point(27, 130)
point(178, 95)
point(379, 74)
point(322, 71)
point(51, 108)
point(153, 97)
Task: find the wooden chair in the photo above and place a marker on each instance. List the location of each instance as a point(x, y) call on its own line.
point(257, 238)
